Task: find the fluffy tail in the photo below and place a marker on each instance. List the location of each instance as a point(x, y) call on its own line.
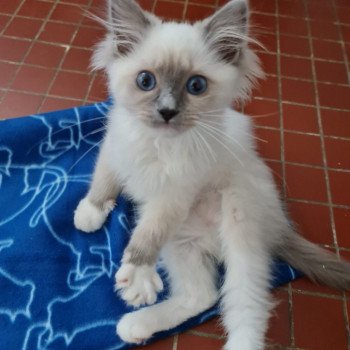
point(316, 263)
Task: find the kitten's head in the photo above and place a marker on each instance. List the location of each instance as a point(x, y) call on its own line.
point(170, 75)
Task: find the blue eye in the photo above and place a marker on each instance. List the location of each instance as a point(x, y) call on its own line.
point(146, 81)
point(197, 85)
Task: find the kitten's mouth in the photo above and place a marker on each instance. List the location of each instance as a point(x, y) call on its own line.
point(168, 126)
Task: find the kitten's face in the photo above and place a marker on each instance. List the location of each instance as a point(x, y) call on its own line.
point(171, 81)
point(172, 76)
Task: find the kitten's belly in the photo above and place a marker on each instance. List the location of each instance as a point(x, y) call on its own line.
point(207, 208)
point(201, 229)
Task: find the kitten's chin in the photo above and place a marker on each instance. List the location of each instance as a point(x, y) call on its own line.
point(167, 129)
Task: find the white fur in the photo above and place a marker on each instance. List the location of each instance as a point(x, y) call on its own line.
point(204, 194)
point(138, 285)
point(88, 217)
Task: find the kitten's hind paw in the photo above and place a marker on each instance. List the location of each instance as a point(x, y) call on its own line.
point(138, 285)
point(132, 328)
point(88, 217)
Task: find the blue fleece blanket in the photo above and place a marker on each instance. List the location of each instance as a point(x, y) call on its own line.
point(56, 283)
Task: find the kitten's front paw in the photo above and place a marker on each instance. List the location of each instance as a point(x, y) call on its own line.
point(132, 328)
point(138, 285)
point(88, 217)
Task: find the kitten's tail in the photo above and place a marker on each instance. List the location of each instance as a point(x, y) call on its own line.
point(316, 263)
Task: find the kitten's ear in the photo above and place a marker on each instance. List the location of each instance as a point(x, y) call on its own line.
point(127, 24)
point(226, 31)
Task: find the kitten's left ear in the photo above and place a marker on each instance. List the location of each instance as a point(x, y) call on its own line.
point(227, 30)
point(127, 25)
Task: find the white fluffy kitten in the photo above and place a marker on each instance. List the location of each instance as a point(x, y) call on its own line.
point(174, 145)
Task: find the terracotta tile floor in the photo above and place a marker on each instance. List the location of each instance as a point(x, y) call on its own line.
point(302, 110)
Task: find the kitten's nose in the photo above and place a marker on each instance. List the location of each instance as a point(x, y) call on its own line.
point(167, 113)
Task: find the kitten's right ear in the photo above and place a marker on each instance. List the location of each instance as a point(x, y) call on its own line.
point(126, 24)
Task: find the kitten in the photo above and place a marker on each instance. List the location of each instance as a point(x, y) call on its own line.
point(174, 145)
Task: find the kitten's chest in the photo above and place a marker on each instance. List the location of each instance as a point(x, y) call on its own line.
point(146, 169)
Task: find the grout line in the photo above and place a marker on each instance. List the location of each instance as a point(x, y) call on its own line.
point(290, 77)
point(32, 41)
point(175, 341)
point(280, 109)
point(291, 316)
point(205, 334)
point(154, 5)
point(59, 67)
point(298, 132)
point(293, 103)
point(323, 147)
point(283, 167)
point(342, 42)
point(329, 194)
point(317, 294)
point(184, 13)
point(346, 62)
point(12, 16)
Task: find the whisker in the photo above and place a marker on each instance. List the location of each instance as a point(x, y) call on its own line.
point(209, 133)
point(211, 151)
point(222, 133)
point(84, 155)
point(63, 129)
point(263, 115)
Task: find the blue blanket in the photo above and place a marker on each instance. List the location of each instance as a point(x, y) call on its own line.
point(56, 283)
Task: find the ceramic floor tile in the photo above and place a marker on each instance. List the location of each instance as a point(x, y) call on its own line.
point(7, 73)
point(303, 149)
point(268, 143)
point(312, 220)
point(196, 12)
point(17, 104)
point(191, 342)
point(68, 84)
point(279, 326)
point(53, 104)
point(45, 54)
point(62, 53)
point(304, 285)
point(12, 49)
point(300, 118)
point(67, 13)
point(23, 27)
point(331, 72)
point(292, 45)
point(327, 50)
point(338, 152)
point(35, 8)
point(77, 59)
point(342, 224)
point(165, 344)
point(336, 96)
point(169, 10)
point(296, 67)
point(54, 32)
point(313, 330)
point(306, 183)
point(9, 7)
point(298, 91)
point(336, 123)
point(264, 112)
point(340, 186)
point(33, 79)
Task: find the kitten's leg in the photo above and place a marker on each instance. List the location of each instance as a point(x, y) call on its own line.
point(192, 277)
point(93, 210)
point(246, 301)
point(137, 279)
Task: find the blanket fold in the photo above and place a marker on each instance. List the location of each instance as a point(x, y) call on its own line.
point(56, 282)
